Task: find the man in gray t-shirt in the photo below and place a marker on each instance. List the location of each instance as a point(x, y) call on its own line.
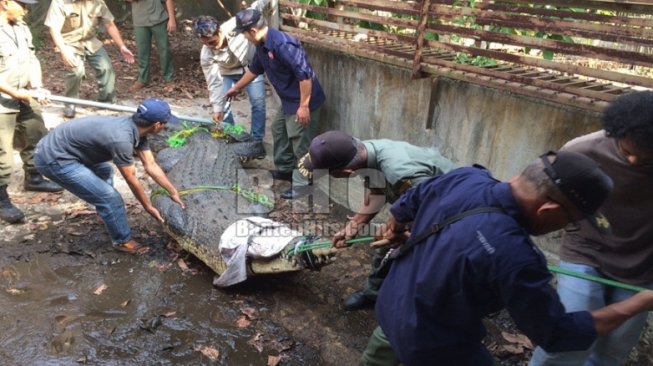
point(76, 155)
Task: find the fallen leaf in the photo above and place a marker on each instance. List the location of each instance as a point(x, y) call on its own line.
point(14, 291)
point(257, 342)
point(182, 265)
point(169, 314)
point(251, 313)
point(519, 339)
point(273, 360)
point(208, 351)
point(243, 322)
point(80, 213)
point(100, 289)
point(125, 303)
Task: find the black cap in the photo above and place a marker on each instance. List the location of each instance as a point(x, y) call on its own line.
point(582, 181)
point(246, 19)
point(331, 150)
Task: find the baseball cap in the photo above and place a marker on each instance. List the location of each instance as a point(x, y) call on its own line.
point(27, 1)
point(331, 150)
point(155, 110)
point(205, 26)
point(245, 19)
point(582, 181)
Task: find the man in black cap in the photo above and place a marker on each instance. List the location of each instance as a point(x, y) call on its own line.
point(283, 59)
point(76, 155)
point(21, 122)
point(624, 148)
point(469, 255)
point(391, 168)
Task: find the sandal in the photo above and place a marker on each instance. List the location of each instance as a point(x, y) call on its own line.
point(132, 247)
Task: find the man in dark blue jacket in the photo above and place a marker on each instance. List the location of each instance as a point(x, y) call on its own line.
point(432, 302)
point(283, 60)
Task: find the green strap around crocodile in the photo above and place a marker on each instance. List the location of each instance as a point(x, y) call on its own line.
point(179, 138)
point(247, 194)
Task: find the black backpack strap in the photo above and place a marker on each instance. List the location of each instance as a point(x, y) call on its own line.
point(437, 227)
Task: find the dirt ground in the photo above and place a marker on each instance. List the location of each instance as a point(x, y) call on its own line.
point(67, 298)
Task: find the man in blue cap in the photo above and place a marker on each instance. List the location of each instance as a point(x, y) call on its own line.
point(76, 155)
point(283, 59)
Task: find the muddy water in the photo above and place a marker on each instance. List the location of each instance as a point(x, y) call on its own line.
point(55, 318)
point(51, 314)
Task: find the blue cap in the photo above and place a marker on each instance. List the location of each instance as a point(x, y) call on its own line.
point(205, 26)
point(155, 110)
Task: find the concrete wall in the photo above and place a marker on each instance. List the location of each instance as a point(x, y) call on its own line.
point(469, 123)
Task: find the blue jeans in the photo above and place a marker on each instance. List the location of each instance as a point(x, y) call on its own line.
point(93, 184)
point(578, 294)
point(256, 92)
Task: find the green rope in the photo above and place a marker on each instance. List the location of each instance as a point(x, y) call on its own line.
point(600, 280)
point(248, 195)
point(234, 129)
point(326, 244)
point(554, 269)
point(179, 138)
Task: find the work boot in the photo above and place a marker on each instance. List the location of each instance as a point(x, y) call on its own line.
point(69, 110)
point(259, 151)
point(358, 300)
point(8, 212)
point(137, 86)
point(35, 182)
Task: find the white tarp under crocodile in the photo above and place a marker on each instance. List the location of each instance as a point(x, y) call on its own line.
point(253, 237)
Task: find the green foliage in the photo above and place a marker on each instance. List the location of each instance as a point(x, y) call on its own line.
point(548, 54)
point(429, 36)
point(370, 25)
point(481, 61)
point(314, 2)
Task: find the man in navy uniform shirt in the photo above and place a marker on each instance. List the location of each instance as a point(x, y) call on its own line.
point(435, 295)
point(282, 58)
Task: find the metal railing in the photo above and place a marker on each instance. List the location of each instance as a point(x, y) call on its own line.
point(583, 53)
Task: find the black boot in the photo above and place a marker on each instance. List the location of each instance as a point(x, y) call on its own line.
point(36, 182)
point(358, 300)
point(8, 212)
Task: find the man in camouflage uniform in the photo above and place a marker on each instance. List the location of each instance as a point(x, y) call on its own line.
point(392, 168)
point(20, 120)
point(74, 26)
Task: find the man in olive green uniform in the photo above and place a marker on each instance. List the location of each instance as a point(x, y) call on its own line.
point(74, 26)
point(20, 121)
point(153, 19)
point(392, 167)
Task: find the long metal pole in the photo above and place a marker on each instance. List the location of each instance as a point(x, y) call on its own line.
point(117, 107)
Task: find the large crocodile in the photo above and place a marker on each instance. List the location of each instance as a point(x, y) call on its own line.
point(205, 168)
